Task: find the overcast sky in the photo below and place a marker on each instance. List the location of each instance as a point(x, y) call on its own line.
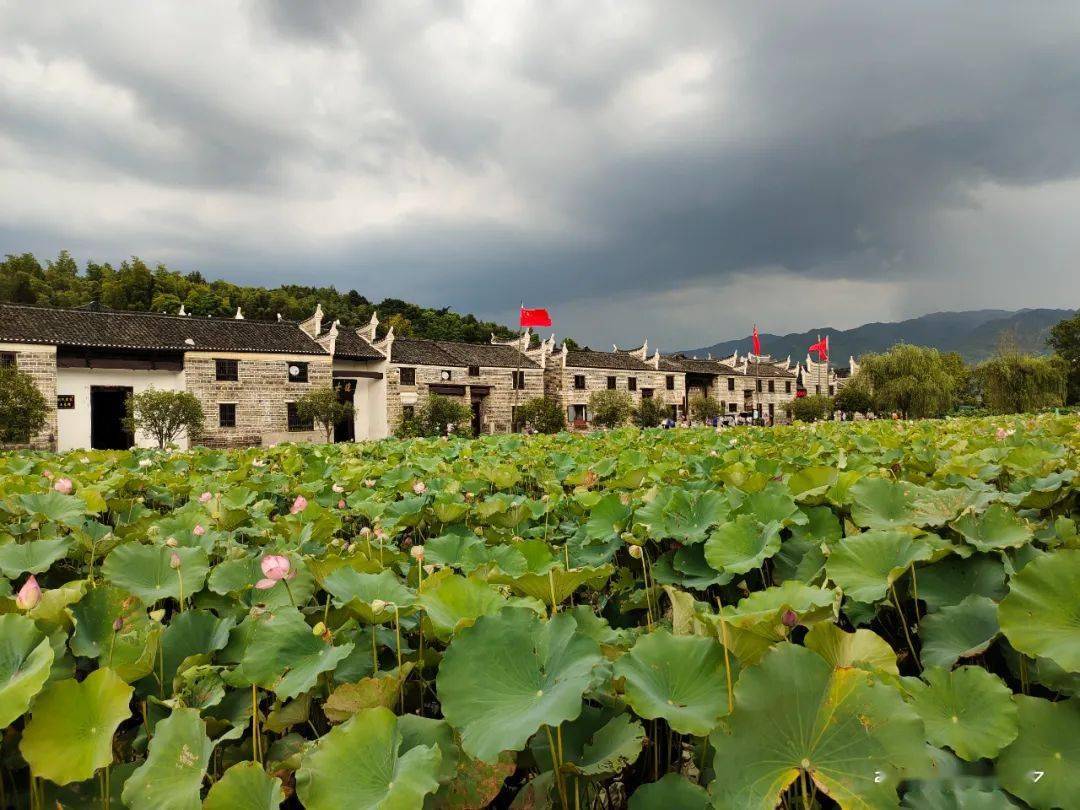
point(671, 169)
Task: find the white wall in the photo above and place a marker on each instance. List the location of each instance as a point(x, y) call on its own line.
point(73, 426)
point(369, 399)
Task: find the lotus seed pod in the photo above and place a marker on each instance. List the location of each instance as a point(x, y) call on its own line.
point(635, 552)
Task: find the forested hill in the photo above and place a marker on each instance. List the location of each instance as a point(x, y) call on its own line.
point(135, 285)
point(974, 334)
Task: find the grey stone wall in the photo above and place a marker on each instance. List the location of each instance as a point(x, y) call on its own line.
point(261, 395)
point(559, 384)
point(40, 364)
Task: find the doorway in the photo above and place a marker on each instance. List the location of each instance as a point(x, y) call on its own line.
point(477, 422)
point(108, 407)
point(345, 430)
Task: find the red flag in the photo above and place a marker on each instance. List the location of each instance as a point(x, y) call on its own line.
point(757, 341)
point(822, 348)
point(534, 317)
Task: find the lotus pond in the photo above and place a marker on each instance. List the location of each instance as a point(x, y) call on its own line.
point(862, 615)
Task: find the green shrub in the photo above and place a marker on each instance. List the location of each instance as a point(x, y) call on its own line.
point(610, 408)
point(542, 415)
point(322, 406)
point(23, 409)
point(165, 415)
point(811, 409)
point(650, 412)
point(1021, 383)
point(435, 416)
point(703, 409)
point(855, 396)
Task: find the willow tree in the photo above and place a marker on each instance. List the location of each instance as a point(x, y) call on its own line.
point(914, 381)
point(1012, 382)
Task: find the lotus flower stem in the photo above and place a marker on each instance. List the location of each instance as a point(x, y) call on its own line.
point(288, 590)
point(903, 623)
point(556, 766)
point(397, 638)
point(255, 752)
point(915, 591)
point(805, 793)
point(374, 649)
point(727, 660)
point(551, 582)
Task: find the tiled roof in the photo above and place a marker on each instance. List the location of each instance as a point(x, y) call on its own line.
point(413, 351)
point(350, 346)
point(694, 365)
point(614, 360)
point(146, 330)
point(767, 370)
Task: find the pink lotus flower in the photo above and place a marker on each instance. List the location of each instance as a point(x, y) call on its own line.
point(417, 552)
point(29, 594)
point(63, 486)
point(1001, 434)
point(419, 487)
point(174, 561)
point(298, 506)
point(369, 483)
point(341, 504)
point(198, 531)
point(275, 567)
point(205, 497)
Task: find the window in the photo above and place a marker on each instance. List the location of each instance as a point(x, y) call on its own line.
point(670, 382)
point(733, 408)
point(7, 359)
point(772, 410)
point(832, 390)
point(408, 411)
point(227, 370)
point(226, 414)
point(408, 376)
point(631, 383)
point(646, 393)
point(517, 380)
point(611, 383)
point(759, 386)
point(295, 422)
point(787, 387)
point(730, 383)
point(817, 389)
point(579, 382)
point(474, 371)
point(298, 372)
point(772, 387)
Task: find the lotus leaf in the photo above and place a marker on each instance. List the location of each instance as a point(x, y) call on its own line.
point(1042, 766)
point(453, 602)
point(1041, 614)
point(867, 564)
point(878, 503)
point(958, 631)
point(130, 650)
point(670, 792)
point(147, 572)
point(32, 557)
point(863, 648)
point(968, 710)
point(283, 655)
point(356, 592)
point(245, 786)
point(25, 659)
point(996, 529)
point(742, 545)
point(175, 765)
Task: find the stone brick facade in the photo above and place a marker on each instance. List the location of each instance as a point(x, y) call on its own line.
point(261, 395)
point(39, 362)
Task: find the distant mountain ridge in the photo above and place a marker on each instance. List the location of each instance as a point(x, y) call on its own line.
point(974, 334)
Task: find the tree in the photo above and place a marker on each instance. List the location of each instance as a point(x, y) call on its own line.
point(165, 415)
point(542, 415)
point(321, 405)
point(1065, 341)
point(23, 409)
point(438, 416)
point(811, 408)
point(650, 412)
point(855, 395)
point(704, 409)
point(610, 407)
point(1018, 383)
point(914, 381)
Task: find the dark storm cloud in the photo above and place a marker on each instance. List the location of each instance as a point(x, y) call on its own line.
point(597, 157)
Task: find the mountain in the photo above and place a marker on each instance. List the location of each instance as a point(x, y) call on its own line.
point(974, 334)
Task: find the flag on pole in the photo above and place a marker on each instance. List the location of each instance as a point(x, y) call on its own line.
point(534, 317)
point(757, 341)
point(821, 347)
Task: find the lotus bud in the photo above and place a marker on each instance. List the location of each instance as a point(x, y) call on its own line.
point(318, 629)
point(63, 486)
point(635, 552)
point(145, 462)
point(205, 497)
point(336, 542)
point(338, 488)
point(198, 531)
point(365, 531)
point(341, 504)
point(369, 483)
point(48, 474)
point(378, 605)
point(174, 561)
point(29, 594)
point(419, 487)
point(171, 542)
point(118, 624)
point(417, 553)
point(790, 618)
point(298, 506)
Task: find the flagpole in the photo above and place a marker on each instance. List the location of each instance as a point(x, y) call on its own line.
point(517, 368)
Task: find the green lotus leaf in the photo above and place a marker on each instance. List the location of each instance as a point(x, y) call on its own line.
point(51, 611)
point(951, 580)
point(679, 678)
point(614, 747)
point(175, 765)
point(1041, 614)
point(996, 529)
point(967, 709)
point(864, 649)
point(958, 631)
point(610, 517)
point(1042, 766)
point(417, 730)
point(742, 545)
point(25, 660)
point(878, 503)
point(452, 602)
point(69, 735)
point(193, 632)
point(245, 786)
point(534, 671)
point(794, 713)
point(949, 795)
point(284, 656)
point(360, 765)
point(558, 582)
point(356, 591)
point(129, 651)
point(679, 514)
point(33, 557)
point(52, 507)
point(146, 571)
point(773, 504)
point(671, 792)
point(866, 565)
point(367, 693)
point(810, 484)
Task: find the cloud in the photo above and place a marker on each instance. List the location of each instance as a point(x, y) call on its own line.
point(681, 169)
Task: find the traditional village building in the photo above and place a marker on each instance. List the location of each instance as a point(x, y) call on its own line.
point(492, 379)
point(768, 386)
point(247, 374)
point(706, 378)
point(821, 378)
